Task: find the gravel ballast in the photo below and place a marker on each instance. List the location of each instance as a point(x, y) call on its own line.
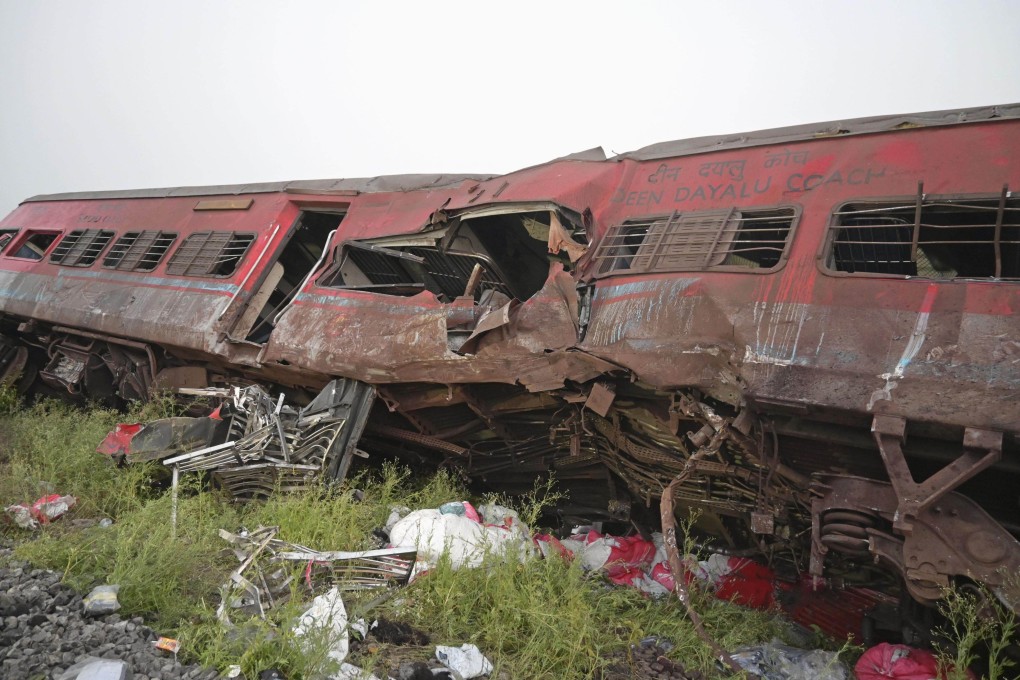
point(45, 631)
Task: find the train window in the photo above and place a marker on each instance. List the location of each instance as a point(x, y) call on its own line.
point(928, 237)
point(81, 247)
point(730, 239)
point(33, 244)
point(210, 253)
point(139, 251)
point(6, 236)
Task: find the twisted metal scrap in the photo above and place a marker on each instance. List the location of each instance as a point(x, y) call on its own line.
point(676, 564)
point(260, 550)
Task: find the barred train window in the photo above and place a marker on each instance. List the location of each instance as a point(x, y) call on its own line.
point(210, 253)
point(929, 237)
point(139, 251)
point(81, 247)
point(712, 239)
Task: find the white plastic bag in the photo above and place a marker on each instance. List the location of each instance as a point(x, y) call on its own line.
point(92, 668)
point(467, 660)
point(327, 616)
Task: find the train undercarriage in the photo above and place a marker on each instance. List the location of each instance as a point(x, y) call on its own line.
point(833, 495)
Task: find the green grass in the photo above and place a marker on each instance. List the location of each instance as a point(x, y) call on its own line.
point(539, 619)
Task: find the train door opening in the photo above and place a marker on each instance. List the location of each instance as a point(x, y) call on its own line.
point(300, 257)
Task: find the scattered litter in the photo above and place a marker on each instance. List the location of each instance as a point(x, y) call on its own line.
point(776, 661)
point(350, 672)
point(233, 672)
point(419, 670)
point(466, 536)
point(398, 633)
point(102, 600)
point(328, 616)
point(901, 662)
point(361, 627)
point(466, 660)
point(167, 644)
point(271, 674)
point(106, 522)
point(43, 511)
point(92, 668)
point(642, 564)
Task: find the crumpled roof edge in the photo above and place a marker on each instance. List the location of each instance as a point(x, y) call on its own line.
point(311, 186)
point(796, 133)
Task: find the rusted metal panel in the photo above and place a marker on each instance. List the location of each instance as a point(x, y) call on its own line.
point(709, 340)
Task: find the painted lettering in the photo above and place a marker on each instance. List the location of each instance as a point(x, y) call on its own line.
point(730, 190)
point(638, 197)
point(798, 182)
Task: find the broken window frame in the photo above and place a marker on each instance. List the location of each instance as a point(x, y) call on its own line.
point(22, 242)
point(442, 242)
point(7, 237)
point(657, 243)
point(1002, 204)
point(204, 264)
point(139, 251)
point(81, 247)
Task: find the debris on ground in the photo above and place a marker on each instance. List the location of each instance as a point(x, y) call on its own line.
point(102, 600)
point(256, 444)
point(642, 564)
point(464, 535)
point(776, 661)
point(43, 511)
point(327, 617)
point(44, 631)
point(467, 660)
point(92, 668)
point(884, 661)
point(647, 661)
point(263, 579)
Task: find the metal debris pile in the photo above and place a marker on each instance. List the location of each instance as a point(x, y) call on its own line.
point(271, 445)
point(267, 567)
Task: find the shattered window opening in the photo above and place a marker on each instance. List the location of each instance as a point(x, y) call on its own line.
point(210, 253)
point(933, 238)
point(81, 247)
point(139, 251)
point(697, 241)
point(34, 245)
point(302, 253)
point(511, 249)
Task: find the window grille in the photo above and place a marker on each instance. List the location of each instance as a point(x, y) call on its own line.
point(81, 247)
point(929, 237)
point(210, 253)
point(139, 251)
point(697, 241)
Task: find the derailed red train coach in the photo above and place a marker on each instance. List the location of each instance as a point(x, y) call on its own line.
point(813, 329)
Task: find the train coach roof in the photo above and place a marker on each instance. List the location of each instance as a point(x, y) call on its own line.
point(308, 186)
point(683, 147)
point(796, 133)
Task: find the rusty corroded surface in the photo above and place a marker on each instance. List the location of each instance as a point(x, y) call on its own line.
point(609, 319)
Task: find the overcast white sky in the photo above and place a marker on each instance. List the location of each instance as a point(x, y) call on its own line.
point(127, 94)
